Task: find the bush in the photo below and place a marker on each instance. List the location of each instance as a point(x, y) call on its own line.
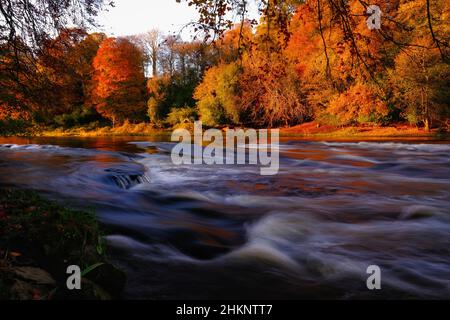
point(168, 92)
point(328, 120)
point(412, 115)
point(81, 116)
point(10, 127)
point(182, 115)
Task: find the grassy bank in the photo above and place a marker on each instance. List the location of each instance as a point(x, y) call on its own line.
point(310, 129)
point(314, 129)
point(39, 239)
point(127, 129)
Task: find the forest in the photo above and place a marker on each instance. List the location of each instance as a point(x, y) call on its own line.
point(302, 61)
point(143, 167)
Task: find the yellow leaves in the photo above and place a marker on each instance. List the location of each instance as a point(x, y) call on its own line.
point(216, 95)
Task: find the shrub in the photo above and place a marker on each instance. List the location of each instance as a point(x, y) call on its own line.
point(79, 117)
point(182, 115)
point(328, 119)
point(10, 126)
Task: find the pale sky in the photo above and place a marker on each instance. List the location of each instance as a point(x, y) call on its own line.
point(130, 17)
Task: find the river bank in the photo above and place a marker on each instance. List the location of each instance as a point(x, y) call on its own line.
point(311, 129)
point(39, 239)
point(314, 129)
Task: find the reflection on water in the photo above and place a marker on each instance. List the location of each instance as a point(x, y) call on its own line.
point(226, 232)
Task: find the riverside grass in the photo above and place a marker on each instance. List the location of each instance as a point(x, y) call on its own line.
point(46, 237)
point(310, 129)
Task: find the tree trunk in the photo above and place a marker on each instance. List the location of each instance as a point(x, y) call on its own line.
point(427, 116)
point(427, 124)
point(154, 66)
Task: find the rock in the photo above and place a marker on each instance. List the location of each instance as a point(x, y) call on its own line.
point(35, 275)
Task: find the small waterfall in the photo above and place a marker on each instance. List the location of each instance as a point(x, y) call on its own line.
point(126, 180)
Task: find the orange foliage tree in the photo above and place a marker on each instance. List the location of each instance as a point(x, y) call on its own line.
point(65, 64)
point(359, 104)
point(234, 42)
point(119, 81)
point(270, 90)
point(327, 60)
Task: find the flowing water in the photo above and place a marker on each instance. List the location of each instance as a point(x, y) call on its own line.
point(186, 232)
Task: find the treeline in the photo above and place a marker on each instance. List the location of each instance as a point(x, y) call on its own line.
point(307, 67)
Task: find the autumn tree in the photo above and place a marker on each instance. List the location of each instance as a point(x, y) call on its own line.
point(311, 58)
point(216, 17)
point(264, 90)
point(308, 59)
point(421, 87)
point(83, 59)
point(234, 42)
point(359, 104)
point(60, 61)
point(182, 67)
point(329, 63)
point(270, 90)
point(17, 84)
point(119, 82)
point(418, 79)
point(217, 95)
point(25, 27)
point(416, 20)
point(160, 100)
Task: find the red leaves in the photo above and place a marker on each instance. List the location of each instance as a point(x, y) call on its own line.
point(119, 81)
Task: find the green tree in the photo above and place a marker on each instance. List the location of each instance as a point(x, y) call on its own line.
point(420, 85)
point(216, 96)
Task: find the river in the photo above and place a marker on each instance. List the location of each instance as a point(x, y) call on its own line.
point(215, 232)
